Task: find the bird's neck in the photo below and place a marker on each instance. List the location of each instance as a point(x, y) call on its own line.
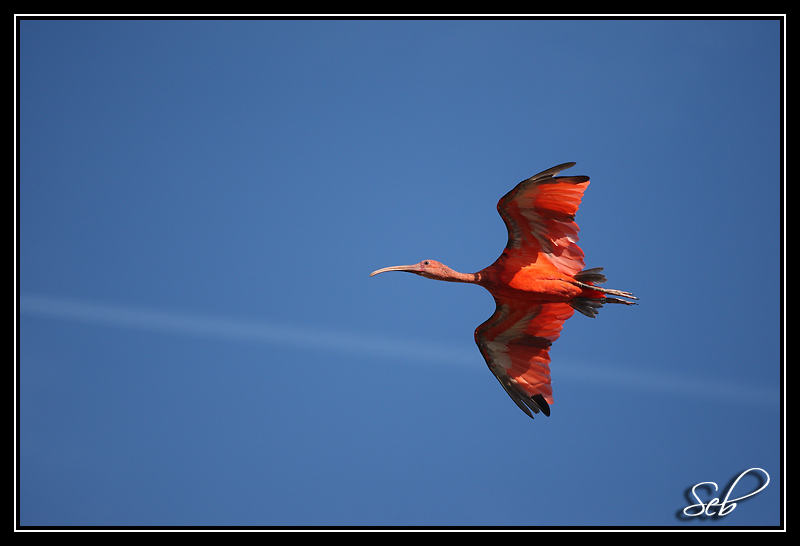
point(456, 276)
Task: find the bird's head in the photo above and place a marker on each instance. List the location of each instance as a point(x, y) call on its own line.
point(430, 269)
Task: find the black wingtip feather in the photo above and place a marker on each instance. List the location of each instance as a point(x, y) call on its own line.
point(539, 400)
point(552, 171)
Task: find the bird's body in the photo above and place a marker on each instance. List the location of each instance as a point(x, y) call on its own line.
point(537, 283)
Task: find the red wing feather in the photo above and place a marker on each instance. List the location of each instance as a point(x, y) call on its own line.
point(540, 216)
point(515, 342)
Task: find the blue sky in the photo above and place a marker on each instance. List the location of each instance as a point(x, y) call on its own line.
point(201, 204)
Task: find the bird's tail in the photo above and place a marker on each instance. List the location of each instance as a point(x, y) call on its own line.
point(589, 306)
point(593, 276)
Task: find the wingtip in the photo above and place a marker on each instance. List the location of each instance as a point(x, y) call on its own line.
point(539, 400)
point(553, 171)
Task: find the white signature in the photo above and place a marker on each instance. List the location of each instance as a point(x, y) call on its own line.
point(727, 505)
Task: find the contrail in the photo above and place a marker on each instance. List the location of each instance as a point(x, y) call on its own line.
point(242, 330)
point(375, 346)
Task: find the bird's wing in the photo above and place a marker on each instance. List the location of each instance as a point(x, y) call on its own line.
point(540, 216)
point(515, 342)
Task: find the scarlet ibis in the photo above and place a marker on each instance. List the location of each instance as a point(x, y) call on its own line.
point(537, 283)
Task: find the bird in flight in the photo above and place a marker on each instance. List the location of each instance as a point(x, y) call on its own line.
point(537, 283)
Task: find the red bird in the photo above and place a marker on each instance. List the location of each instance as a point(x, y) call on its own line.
point(537, 283)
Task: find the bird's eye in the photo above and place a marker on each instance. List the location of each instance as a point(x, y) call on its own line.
point(426, 262)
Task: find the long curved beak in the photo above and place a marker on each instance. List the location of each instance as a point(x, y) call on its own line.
point(409, 268)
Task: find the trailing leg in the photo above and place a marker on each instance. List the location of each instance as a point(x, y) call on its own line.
point(595, 277)
point(589, 279)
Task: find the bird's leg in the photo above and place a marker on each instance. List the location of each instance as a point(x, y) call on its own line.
point(607, 291)
point(617, 300)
